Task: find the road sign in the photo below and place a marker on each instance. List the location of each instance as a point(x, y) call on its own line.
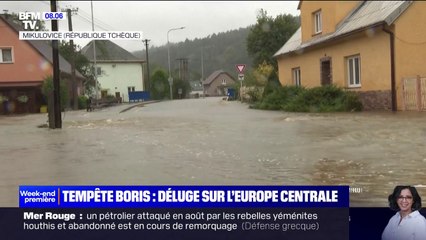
point(240, 67)
point(170, 80)
point(241, 77)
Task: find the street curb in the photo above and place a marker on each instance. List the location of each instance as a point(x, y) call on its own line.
point(138, 105)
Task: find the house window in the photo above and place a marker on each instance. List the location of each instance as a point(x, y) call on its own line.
point(224, 81)
point(130, 89)
point(354, 71)
point(104, 93)
point(317, 22)
point(296, 76)
point(5, 55)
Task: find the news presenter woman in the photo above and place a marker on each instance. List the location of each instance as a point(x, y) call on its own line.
point(407, 223)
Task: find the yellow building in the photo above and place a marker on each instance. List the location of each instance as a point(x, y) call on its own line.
point(376, 48)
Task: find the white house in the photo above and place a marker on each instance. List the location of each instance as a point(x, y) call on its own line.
point(118, 71)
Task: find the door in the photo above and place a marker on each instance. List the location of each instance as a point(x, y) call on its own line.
point(414, 93)
point(326, 71)
point(118, 96)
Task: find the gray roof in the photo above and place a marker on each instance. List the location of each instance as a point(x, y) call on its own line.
point(214, 75)
point(108, 51)
point(367, 14)
point(43, 47)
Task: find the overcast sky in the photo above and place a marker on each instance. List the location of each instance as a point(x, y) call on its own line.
point(155, 18)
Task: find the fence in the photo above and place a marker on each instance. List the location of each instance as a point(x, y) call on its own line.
point(139, 96)
point(414, 93)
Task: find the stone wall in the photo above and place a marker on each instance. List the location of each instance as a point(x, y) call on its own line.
point(376, 100)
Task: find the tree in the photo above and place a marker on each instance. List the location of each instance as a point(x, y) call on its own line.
point(268, 35)
point(262, 73)
point(47, 90)
point(82, 64)
point(159, 85)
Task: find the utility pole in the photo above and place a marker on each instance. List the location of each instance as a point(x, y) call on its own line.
point(94, 57)
point(202, 71)
point(168, 57)
point(183, 68)
point(56, 83)
point(73, 78)
point(147, 82)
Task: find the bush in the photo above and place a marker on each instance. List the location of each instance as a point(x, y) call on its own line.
point(253, 94)
point(110, 98)
point(277, 97)
point(160, 88)
point(82, 102)
point(351, 102)
point(329, 98)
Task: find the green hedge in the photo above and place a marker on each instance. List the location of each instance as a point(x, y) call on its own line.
point(329, 98)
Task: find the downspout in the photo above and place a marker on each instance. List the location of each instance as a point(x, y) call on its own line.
point(392, 56)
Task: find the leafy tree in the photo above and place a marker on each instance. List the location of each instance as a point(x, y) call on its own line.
point(82, 64)
point(262, 73)
point(268, 35)
point(47, 90)
point(159, 85)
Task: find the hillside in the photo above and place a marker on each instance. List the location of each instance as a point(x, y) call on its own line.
point(219, 51)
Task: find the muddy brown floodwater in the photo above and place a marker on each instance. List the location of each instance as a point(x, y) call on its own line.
point(213, 142)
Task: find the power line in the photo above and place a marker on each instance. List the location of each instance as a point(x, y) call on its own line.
point(408, 42)
point(98, 21)
point(90, 21)
point(87, 17)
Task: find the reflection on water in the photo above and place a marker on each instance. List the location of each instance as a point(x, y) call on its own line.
point(209, 141)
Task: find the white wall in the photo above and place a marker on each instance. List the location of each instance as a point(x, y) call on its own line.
point(116, 77)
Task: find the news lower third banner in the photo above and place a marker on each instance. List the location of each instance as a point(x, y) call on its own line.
point(182, 196)
point(180, 212)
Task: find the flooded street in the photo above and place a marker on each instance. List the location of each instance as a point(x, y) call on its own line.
point(213, 142)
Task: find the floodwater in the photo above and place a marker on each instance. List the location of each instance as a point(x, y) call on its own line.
point(213, 142)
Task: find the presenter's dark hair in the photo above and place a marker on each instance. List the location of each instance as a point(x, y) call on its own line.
point(393, 198)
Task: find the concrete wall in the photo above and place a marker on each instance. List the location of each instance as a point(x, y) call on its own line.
point(375, 75)
point(117, 77)
point(372, 46)
point(332, 13)
point(27, 64)
point(410, 45)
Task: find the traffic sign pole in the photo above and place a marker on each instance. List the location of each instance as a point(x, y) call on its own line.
point(240, 69)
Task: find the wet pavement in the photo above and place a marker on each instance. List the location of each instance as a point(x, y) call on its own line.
point(214, 142)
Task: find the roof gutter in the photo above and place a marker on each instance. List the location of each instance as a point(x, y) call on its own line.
point(392, 56)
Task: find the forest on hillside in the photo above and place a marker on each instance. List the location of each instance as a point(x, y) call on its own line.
point(216, 51)
point(253, 46)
